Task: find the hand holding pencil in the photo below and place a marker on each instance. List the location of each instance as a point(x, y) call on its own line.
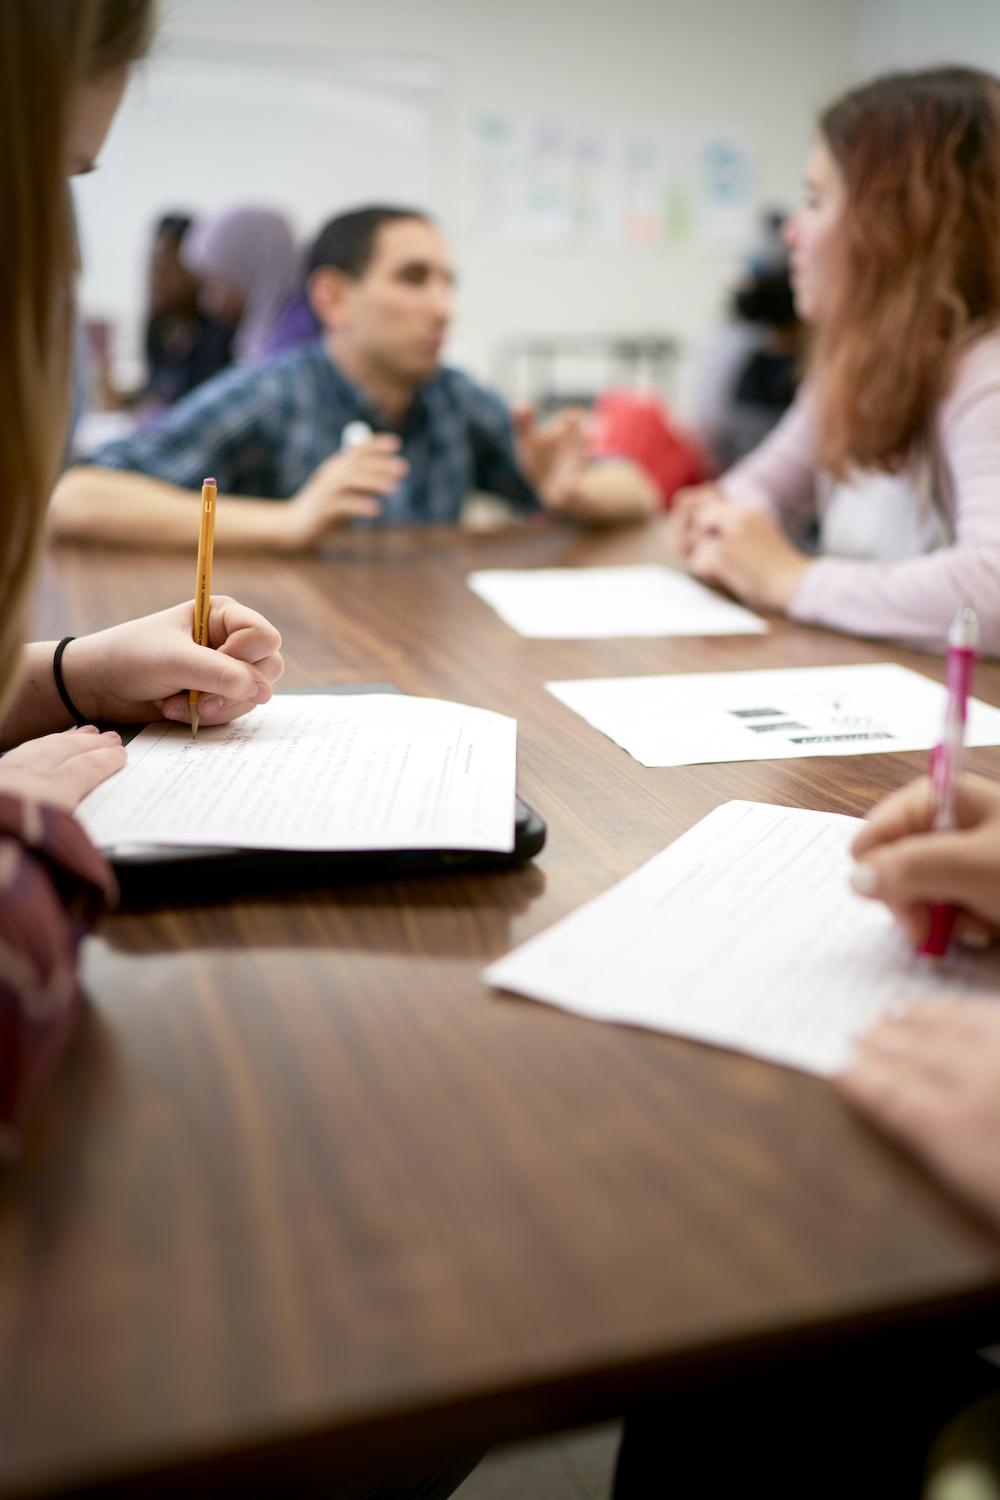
point(203, 583)
point(206, 662)
point(146, 669)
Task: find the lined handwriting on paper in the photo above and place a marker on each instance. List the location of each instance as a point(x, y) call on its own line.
point(367, 771)
point(744, 933)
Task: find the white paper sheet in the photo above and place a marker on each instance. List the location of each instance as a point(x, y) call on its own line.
point(744, 933)
point(365, 771)
point(597, 603)
point(774, 715)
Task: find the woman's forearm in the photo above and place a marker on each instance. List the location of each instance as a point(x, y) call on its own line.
point(36, 707)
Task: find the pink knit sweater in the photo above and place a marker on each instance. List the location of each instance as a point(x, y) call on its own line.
point(914, 599)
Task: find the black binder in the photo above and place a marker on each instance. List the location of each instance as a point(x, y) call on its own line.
point(179, 875)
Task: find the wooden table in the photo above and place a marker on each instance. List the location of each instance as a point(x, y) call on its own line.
point(307, 1190)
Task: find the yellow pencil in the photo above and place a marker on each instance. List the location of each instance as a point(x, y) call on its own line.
point(203, 583)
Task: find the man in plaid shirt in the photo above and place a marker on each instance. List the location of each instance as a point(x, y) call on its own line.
point(419, 437)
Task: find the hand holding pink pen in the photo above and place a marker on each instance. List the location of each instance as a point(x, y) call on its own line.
point(946, 760)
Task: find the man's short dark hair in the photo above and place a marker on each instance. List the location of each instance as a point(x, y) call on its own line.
point(347, 242)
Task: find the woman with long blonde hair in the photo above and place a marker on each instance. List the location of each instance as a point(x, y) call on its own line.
point(63, 69)
point(891, 453)
point(64, 65)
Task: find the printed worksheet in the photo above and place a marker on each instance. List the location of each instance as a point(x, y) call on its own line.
point(683, 720)
point(746, 934)
point(338, 772)
point(597, 603)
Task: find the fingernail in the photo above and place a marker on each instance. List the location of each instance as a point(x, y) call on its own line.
point(86, 729)
point(864, 880)
point(111, 734)
point(209, 705)
point(176, 713)
point(974, 937)
point(262, 694)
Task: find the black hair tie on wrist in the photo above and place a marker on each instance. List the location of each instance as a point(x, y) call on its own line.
point(74, 712)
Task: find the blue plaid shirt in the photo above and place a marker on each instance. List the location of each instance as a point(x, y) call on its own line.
point(263, 431)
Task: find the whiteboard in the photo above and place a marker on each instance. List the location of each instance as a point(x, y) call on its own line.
point(207, 128)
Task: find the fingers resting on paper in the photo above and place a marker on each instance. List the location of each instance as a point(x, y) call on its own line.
point(60, 769)
point(930, 1076)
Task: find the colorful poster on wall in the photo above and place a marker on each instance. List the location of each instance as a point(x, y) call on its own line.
point(725, 192)
point(592, 203)
point(546, 205)
point(545, 182)
point(494, 172)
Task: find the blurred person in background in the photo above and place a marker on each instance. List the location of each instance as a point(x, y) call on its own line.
point(890, 453)
point(382, 285)
point(249, 272)
point(750, 371)
point(184, 345)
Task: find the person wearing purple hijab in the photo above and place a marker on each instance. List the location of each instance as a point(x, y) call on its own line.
point(251, 274)
point(298, 324)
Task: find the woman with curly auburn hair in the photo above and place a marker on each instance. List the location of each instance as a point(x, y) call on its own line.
point(891, 452)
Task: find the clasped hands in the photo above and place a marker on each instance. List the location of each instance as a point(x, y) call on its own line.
point(734, 547)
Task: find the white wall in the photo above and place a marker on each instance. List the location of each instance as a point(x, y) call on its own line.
point(761, 69)
point(917, 33)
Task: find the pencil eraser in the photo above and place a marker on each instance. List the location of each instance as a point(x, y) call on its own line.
point(209, 481)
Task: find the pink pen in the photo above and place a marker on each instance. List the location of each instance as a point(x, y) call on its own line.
point(946, 760)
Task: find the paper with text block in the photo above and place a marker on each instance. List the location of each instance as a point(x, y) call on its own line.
point(598, 603)
point(779, 714)
point(744, 933)
point(332, 772)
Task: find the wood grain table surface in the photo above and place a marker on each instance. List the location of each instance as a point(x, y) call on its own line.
point(307, 1190)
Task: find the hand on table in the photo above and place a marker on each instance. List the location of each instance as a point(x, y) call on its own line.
point(931, 1077)
point(741, 549)
point(142, 670)
point(60, 769)
point(900, 862)
point(682, 530)
point(352, 483)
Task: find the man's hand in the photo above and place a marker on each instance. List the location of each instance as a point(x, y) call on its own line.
point(350, 484)
point(552, 455)
point(137, 672)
